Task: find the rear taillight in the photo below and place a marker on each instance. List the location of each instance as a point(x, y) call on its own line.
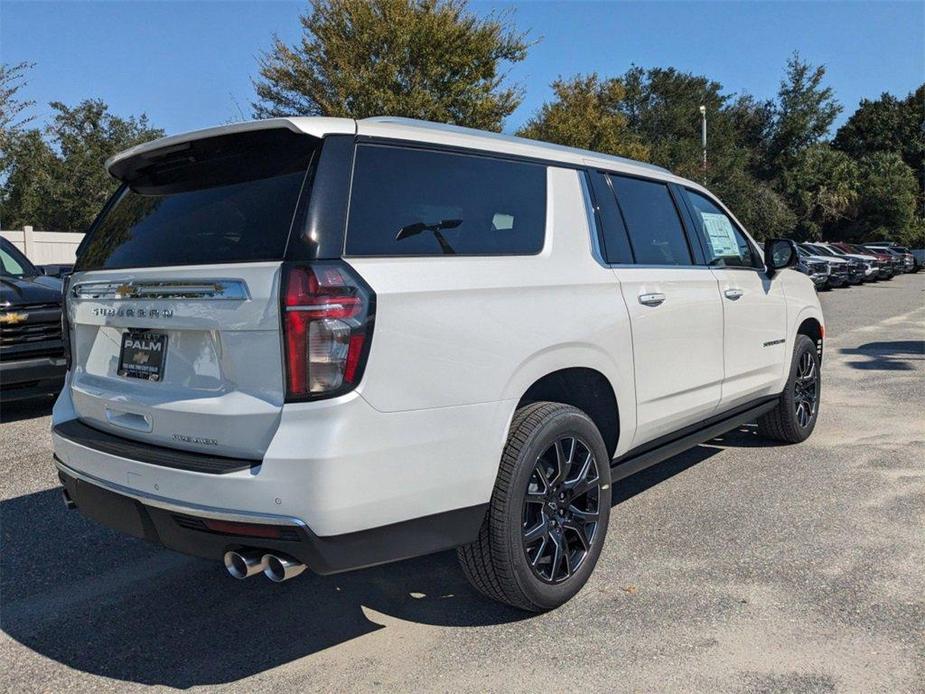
point(327, 326)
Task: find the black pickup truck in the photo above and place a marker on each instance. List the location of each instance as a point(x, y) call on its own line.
point(32, 360)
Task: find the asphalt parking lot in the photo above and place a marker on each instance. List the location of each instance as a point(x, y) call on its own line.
point(737, 566)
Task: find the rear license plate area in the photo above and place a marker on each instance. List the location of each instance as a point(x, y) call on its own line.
point(142, 355)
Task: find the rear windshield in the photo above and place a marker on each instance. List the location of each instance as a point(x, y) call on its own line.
point(228, 199)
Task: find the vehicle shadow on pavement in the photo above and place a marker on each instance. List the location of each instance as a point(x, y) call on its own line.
point(107, 604)
point(895, 355)
point(745, 436)
point(19, 410)
point(111, 605)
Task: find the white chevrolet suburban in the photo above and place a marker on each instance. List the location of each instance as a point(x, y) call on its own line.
point(328, 343)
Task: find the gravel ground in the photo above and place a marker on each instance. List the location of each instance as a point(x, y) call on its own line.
point(737, 566)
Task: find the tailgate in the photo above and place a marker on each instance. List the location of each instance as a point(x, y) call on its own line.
point(218, 385)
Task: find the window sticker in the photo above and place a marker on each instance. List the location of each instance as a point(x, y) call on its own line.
point(720, 234)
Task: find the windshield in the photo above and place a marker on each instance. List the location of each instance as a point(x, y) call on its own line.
point(227, 199)
point(819, 250)
point(13, 263)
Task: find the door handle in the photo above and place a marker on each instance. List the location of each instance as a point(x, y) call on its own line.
point(651, 299)
point(733, 294)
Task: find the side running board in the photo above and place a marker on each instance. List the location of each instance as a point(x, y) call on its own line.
point(655, 452)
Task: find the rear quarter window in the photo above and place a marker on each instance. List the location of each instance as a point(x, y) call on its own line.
point(416, 202)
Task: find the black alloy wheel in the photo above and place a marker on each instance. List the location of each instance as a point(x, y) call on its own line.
point(806, 389)
point(561, 509)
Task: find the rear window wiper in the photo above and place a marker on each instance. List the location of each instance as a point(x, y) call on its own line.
point(416, 228)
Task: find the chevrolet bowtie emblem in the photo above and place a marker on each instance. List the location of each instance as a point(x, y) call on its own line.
point(124, 290)
point(13, 318)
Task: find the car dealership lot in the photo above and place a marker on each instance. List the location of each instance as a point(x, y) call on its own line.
point(736, 566)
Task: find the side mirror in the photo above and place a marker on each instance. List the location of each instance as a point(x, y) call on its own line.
point(779, 254)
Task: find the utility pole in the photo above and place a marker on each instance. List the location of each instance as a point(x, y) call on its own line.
point(703, 140)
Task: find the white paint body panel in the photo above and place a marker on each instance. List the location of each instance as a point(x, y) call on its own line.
point(677, 347)
point(457, 342)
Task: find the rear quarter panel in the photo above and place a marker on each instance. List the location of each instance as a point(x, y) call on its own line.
point(454, 331)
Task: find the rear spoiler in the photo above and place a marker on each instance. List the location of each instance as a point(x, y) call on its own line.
point(121, 165)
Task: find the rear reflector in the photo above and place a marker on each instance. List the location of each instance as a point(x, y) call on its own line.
point(245, 529)
point(327, 324)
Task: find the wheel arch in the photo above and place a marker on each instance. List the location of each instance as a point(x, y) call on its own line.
point(813, 328)
point(585, 388)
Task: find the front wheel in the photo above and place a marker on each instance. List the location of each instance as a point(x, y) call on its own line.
point(548, 515)
point(794, 417)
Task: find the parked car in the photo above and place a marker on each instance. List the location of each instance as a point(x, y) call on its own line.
point(900, 264)
point(856, 270)
point(911, 264)
point(867, 261)
point(328, 343)
point(839, 268)
point(884, 260)
point(31, 351)
point(817, 270)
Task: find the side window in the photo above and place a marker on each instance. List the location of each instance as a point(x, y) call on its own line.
point(421, 202)
point(9, 264)
point(724, 242)
point(652, 222)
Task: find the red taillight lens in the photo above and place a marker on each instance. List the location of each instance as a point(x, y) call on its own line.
point(327, 325)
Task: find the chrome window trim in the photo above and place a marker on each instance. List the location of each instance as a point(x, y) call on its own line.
point(179, 289)
point(180, 506)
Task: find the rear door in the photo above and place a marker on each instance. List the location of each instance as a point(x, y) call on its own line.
point(174, 304)
point(754, 306)
point(675, 310)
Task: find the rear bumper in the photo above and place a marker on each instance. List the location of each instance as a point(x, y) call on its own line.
point(180, 527)
point(339, 466)
point(28, 378)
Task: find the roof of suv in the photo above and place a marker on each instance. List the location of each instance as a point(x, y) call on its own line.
point(411, 130)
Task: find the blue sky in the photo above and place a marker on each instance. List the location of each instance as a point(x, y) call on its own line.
point(188, 64)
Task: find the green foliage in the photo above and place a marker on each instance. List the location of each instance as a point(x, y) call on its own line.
point(756, 205)
point(58, 181)
point(586, 113)
point(429, 59)
point(887, 203)
point(12, 109)
point(822, 185)
point(804, 113)
point(887, 125)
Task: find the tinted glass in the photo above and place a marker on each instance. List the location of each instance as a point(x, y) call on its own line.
point(13, 262)
point(652, 222)
point(226, 200)
point(418, 202)
point(725, 244)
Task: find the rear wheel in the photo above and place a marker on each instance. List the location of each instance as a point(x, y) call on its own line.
point(548, 515)
point(794, 417)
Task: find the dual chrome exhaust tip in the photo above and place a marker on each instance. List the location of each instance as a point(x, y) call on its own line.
point(249, 562)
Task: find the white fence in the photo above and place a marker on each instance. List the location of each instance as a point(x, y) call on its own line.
point(45, 247)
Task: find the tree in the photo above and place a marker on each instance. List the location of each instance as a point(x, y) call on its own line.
point(822, 188)
point(586, 113)
point(12, 109)
point(429, 59)
point(887, 124)
point(803, 115)
point(888, 190)
point(756, 204)
point(58, 181)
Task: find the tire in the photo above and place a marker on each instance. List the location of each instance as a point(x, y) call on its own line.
point(794, 417)
point(506, 565)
